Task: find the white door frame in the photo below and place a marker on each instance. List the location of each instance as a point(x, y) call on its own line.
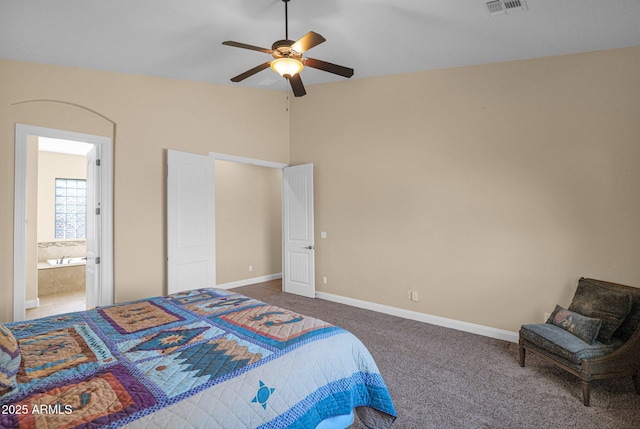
point(93, 228)
point(103, 296)
point(249, 161)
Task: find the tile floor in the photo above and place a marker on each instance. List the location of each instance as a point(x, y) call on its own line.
point(58, 304)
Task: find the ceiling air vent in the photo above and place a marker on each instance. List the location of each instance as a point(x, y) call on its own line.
point(503, 7)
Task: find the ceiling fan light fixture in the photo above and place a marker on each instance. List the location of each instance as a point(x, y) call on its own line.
point(287, 67)
point(288, 57)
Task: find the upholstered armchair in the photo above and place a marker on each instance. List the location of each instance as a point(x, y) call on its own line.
point(597, 337)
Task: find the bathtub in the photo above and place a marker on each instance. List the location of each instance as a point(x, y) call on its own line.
point(61, 276)
point(67, 262)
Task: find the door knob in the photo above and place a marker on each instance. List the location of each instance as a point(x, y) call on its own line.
point(309, 247)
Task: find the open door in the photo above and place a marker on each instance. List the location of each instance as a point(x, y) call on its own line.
point(298, 229)
point(94, 227)
point(191, 260)
point(103, 294)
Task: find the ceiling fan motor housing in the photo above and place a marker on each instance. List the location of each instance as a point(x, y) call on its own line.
point(282, 49)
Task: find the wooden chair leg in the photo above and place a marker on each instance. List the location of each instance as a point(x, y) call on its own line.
point(636, 382)
point(522, 356)
point(586, 393)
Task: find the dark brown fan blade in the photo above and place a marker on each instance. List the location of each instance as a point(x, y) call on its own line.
point(248, 73)
point(307, 42)
point(328, 67)
point(296, 85)
point(245, 46)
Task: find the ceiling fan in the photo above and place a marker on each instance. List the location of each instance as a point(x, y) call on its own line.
point(288, 59)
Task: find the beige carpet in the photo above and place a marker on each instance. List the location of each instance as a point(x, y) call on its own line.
point(442, 378)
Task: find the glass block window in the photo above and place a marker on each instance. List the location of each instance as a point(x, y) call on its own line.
point(71, 208)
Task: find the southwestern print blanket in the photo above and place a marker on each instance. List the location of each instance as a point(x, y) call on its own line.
point(205, 358)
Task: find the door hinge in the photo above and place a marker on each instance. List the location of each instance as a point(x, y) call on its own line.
point(97, 260)
point(98, 210)
point(97, 163)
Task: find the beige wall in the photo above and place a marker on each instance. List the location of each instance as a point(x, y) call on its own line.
point(488, 189)
point(248, 221)
point(145, 116)
point(51, 166)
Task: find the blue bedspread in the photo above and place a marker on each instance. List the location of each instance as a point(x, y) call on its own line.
point(206, 358)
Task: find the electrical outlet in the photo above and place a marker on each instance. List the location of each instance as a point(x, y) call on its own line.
point(250, 268)
point(414, 295)
point(324, 280)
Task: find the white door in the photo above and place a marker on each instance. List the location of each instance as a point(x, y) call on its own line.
point(106, 217)
point(297, 230)
point(94, 226)
point(191, 260)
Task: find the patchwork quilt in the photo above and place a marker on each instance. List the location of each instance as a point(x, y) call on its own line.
point(205, 358)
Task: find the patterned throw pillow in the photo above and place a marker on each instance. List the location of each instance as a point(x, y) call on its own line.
point(585, 328)
point(9, 358)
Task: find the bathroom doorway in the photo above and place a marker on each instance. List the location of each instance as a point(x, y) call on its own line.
point(59, 284)
point(63, 222)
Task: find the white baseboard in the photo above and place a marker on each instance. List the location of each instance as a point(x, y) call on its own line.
point(473, 328)
point(251, 281)
point(32, 303)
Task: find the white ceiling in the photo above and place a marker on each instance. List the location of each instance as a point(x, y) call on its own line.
point(47, 144)
point(182, 39)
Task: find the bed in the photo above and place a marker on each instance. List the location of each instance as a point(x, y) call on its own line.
point(205, 358)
